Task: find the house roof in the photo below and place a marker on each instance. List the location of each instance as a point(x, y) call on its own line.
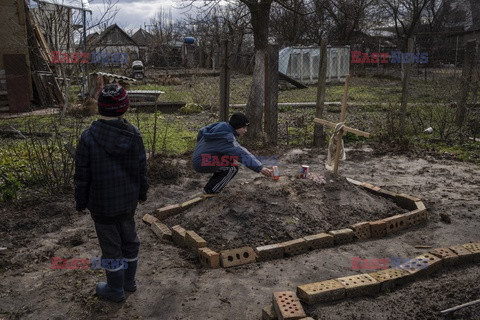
point(143, 38)
point(114, 36)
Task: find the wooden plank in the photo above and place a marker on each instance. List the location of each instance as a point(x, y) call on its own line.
point(345, 128)
point(297, 84)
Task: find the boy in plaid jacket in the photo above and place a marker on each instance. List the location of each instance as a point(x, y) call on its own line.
point(110, 180)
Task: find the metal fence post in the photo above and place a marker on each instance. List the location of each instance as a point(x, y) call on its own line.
point(224, 83)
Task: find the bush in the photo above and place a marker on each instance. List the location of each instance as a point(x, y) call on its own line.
point(191, 108)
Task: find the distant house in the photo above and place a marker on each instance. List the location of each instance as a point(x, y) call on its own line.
point(145, 42)
point(114, 40)
point(470, 22)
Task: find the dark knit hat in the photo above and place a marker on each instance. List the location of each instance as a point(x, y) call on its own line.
point(238, 120)
point(113, 100)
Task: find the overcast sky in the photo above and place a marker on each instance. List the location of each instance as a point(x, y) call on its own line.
point(134, 13)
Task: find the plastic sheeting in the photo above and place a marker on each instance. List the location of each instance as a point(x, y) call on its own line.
point(302, 63)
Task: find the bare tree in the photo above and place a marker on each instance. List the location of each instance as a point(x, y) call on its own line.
point(289, 27)
point(349, 17)
point(221, 22)
point(406, 15)
point(163, 27)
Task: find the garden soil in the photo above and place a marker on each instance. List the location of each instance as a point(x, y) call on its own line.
point(253, 210)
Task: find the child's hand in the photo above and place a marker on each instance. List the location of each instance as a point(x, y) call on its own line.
point(266, 172)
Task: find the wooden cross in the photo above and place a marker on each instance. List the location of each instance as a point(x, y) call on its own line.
point(344, 129)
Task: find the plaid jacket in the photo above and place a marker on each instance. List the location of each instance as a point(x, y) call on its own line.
point(110, 169)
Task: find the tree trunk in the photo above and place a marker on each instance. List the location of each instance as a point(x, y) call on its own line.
point(260, 19)
point(254, 108)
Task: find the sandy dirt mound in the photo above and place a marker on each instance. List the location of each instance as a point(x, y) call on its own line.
point(264, 211)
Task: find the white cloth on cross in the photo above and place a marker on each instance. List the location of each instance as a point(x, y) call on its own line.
point(332, 146)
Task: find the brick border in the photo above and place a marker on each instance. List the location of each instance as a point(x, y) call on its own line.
point(356, 232)
point(371, 284)
point(387, 279)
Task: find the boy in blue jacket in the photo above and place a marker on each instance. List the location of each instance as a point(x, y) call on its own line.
point(110, 180)
point(218, 152)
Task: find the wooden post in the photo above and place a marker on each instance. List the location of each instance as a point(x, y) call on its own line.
point(224, 83)
point(406, 74)
point(319, 133)
point(342, 119)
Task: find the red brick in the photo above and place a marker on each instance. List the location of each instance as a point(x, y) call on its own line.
point(359, 285)
point(342, 236)
point(415, 217)
point(386, 194)
point(328, 290)
point(420, 205)
point(191, 203)
point(434, 263)
point(463, 254)
point(270, 252)
point(318, 241)
point(422, 265)
point(295, 247)
point(168, 211)
point(287, 306)
point(148, 218)
point(396, 223)
point(361, 230)
point(406, 201)
point(209, 258)
point(194, 241)
point(161, 230)
point(370, 187)
point(237, 257)
point(178, 235)
point(474, 248)
point(389, 278)
point(378, 229)
point(447, 255)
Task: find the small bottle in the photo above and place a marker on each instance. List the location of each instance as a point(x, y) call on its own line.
point(276, 176)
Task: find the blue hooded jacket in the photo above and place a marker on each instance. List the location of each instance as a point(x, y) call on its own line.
point(219, 139)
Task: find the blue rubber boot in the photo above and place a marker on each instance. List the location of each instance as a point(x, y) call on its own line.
point(113, 289)
point(130, 284)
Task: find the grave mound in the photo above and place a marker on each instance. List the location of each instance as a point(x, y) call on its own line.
point(265, 211)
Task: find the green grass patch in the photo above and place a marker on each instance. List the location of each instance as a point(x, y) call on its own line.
point(468, 151)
